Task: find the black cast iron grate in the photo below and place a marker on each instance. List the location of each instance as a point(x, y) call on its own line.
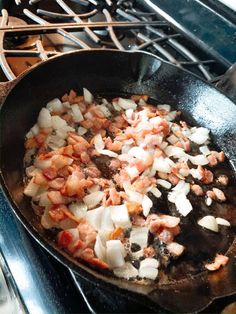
point(160, 39)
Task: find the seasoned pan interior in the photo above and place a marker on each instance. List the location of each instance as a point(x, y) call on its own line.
point(112, 73)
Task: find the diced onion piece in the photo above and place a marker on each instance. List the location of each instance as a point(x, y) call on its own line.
point(126, 103)
point(108, 153)
point(98, 142)
point(161, 164)
point(77, 115)
point(31, 188)
point(58, 123)
point(120, 216)
point(35, 129)
point(46, 220)
point(115, 253)
point(183, 205)
point(175, 248)
point(139, 235)
point(147, 205)
point(164, 107)
point(78, 209)
point(222, 221)
point(165, 184)
point(44, 200)
point(129, 113)
point(134, 196)
point(172, 139)
point(105, 111)
point(209, 222)
point(199, 160)
point(155, 192)
point(106, 221)
point(55, 105)
point(88, 97)
point(149, 262)
point(205, 150)
point(88, 115)
point(99, 249)
point(127, 271)
point(30, 171)
point(116, 107)
point(94, 217)
point(44, 118)
point(94, 188)
point(208, 201)
point(195, 174)
point(148, 273)
point(138, 152)
point(42, 164)
point(81, 130)
point(173, 151)
point(132, 172)
point(93, 199)
point(199, 136)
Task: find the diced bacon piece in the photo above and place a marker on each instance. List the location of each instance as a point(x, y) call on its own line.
point(113, 146)
point(220, 260)
point(197, 190)
point(50, 173)
point(116, 234)
point(219, 194)
point(60, 161)
point(57, 183)
point(222, 179)
point(149, 251)
point(56, 213)
point(114, 196)
point(92, 171)
point(73, 183)
point(169, 221)
point(63, 172)
point(87, 234)
point(133, 208)
point(55, 197)
point(207, 175)
point(138, 221)
point(115, 164)
point(40, 179)
point(87, 124)
point(68, 150)
point(167, 235)
point(85, 157)
point(212, 160)
point(65, 238)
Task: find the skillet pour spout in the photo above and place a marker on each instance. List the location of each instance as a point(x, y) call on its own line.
point(113, 73)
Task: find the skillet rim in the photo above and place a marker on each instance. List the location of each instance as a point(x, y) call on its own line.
point(77, 267)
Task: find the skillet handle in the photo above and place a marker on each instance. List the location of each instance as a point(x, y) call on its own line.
point(227, 83)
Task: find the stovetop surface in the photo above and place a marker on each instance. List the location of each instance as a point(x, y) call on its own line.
point(42, 284)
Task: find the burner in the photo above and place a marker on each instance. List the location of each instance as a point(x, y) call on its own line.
point(20, 42)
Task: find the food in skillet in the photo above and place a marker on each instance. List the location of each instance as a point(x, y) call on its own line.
point(96, 171)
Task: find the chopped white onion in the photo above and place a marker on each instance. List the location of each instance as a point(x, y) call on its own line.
point(31, 188)
point(208, 201)
point(204, 150)
point(55, 105)
point(81, 130)
point(44, 200)
point(173, 151)
point(132, 172)
point(88, 115)
point(127, 271)
point(42, 164)
point(149, 262)
point(35, 129)
point(199, 160)
point(164, 107)
point(105, 111)
point(99, 145)
point(195, 173)
point(115, 253)
point(116, 107)
point(183, 205)
point(88, 97)
point(94, 217)
point(77, 115)
point(148, 273)
point(139, 235)
point(155, 192)
point(106, 221)
point(209, 222)
point(99, 249)
point(126, 103)
point(165, 184)
point(120, 216)
point(199, 135)
point(129, 113)
point(93, 199)
point(78, 209)
point(58, 123)
point(222, 221)
point(44, 118)
point(133, 195)
point(147, 205)
point(172, 139)
point(138, 152)
point(30, 171)
point(161, 164)
point(175, 248)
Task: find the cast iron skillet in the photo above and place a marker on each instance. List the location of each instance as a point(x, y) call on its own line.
point(117, 73)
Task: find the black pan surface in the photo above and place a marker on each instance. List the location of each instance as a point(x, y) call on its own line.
point(114, 73)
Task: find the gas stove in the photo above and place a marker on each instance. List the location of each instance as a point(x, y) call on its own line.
point(198, 36)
